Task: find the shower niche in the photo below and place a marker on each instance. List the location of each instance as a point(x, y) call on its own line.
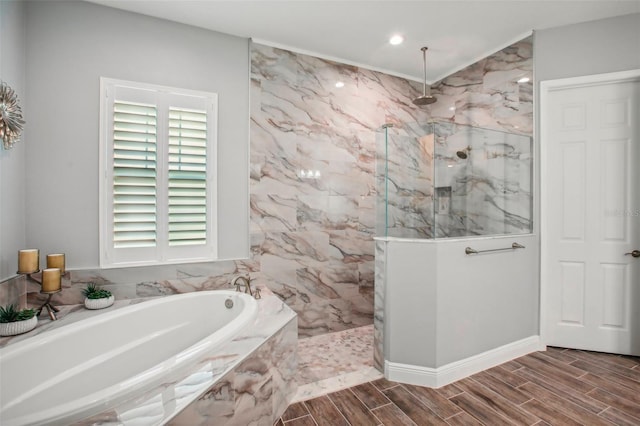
point(443, 200)
point(441, 313)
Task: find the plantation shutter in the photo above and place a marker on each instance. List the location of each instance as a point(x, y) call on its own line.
point(158, 190)
point(187, 177)
point(134, 174)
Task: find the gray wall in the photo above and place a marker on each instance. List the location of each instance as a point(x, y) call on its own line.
point(596, 47)
point(443, 306)
point(70, 45)
point(12, 162)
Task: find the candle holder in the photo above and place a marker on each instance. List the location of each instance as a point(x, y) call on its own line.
point(47, 304)
point(51, 310)
point(50, 281)
point(29, 276)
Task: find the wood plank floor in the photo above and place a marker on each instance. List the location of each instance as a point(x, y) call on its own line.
point(556, 387)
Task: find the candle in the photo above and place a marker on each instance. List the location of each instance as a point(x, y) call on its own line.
point(56, 261)
point(51, 280)
point(28, 261)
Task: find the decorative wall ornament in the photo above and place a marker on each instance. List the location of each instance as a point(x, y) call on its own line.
point(11, 122)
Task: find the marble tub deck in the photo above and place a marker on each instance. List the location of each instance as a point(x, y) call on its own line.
point(335, 361)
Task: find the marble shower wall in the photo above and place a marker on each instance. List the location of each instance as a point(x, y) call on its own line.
point(482, 106)
point(487, 94)
point(313, 187)
point(489, 191)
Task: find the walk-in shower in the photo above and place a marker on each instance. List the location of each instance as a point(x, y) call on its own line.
point(455, 253)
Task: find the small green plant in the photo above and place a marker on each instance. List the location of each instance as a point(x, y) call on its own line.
point(11, 313)
point(95, 292)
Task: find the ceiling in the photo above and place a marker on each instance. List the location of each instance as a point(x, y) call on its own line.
point(458, 33)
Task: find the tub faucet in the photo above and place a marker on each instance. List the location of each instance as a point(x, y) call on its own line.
point(246, 283)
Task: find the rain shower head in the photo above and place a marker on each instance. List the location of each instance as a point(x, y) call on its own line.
point(425, 99)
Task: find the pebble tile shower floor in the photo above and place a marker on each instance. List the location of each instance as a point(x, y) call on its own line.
point(335, 361)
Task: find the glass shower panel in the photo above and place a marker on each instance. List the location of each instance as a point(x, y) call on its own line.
point(405, 181)
point(482, 182)
point(381, 181)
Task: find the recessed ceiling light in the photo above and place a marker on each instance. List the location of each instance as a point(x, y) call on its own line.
point(524, 80)
point(396, 39)
point(339, 84)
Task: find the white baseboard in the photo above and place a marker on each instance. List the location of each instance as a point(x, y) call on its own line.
point(437, 377)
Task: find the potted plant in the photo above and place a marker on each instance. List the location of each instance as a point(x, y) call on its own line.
point(96, 297)
point(15, 321)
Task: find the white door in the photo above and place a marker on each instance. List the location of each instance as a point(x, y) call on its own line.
point(591, 216)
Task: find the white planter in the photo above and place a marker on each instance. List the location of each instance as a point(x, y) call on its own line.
point(18, 327)
point(105, 302)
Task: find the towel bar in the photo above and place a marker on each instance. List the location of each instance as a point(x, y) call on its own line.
point(514, 246)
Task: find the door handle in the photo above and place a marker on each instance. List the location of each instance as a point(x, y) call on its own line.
point(635, 253)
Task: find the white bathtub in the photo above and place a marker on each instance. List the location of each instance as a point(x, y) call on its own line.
point(66, 374)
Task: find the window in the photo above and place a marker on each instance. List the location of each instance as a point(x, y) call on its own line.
point(158, 180)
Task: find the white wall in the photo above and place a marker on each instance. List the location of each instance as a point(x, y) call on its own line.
point(70, 45)
point(12, 162)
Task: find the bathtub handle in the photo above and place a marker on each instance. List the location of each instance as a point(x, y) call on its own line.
point(514, 246)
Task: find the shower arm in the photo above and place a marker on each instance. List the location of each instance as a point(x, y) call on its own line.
point(424, 67)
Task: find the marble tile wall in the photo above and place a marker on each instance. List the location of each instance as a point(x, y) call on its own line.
point(489, 191)
point(489, 111)
point(493, 187)
point(487, 94)
point(130, 283)
point(313, 188)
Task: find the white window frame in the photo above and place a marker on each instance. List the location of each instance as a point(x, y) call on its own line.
point(162, 253)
